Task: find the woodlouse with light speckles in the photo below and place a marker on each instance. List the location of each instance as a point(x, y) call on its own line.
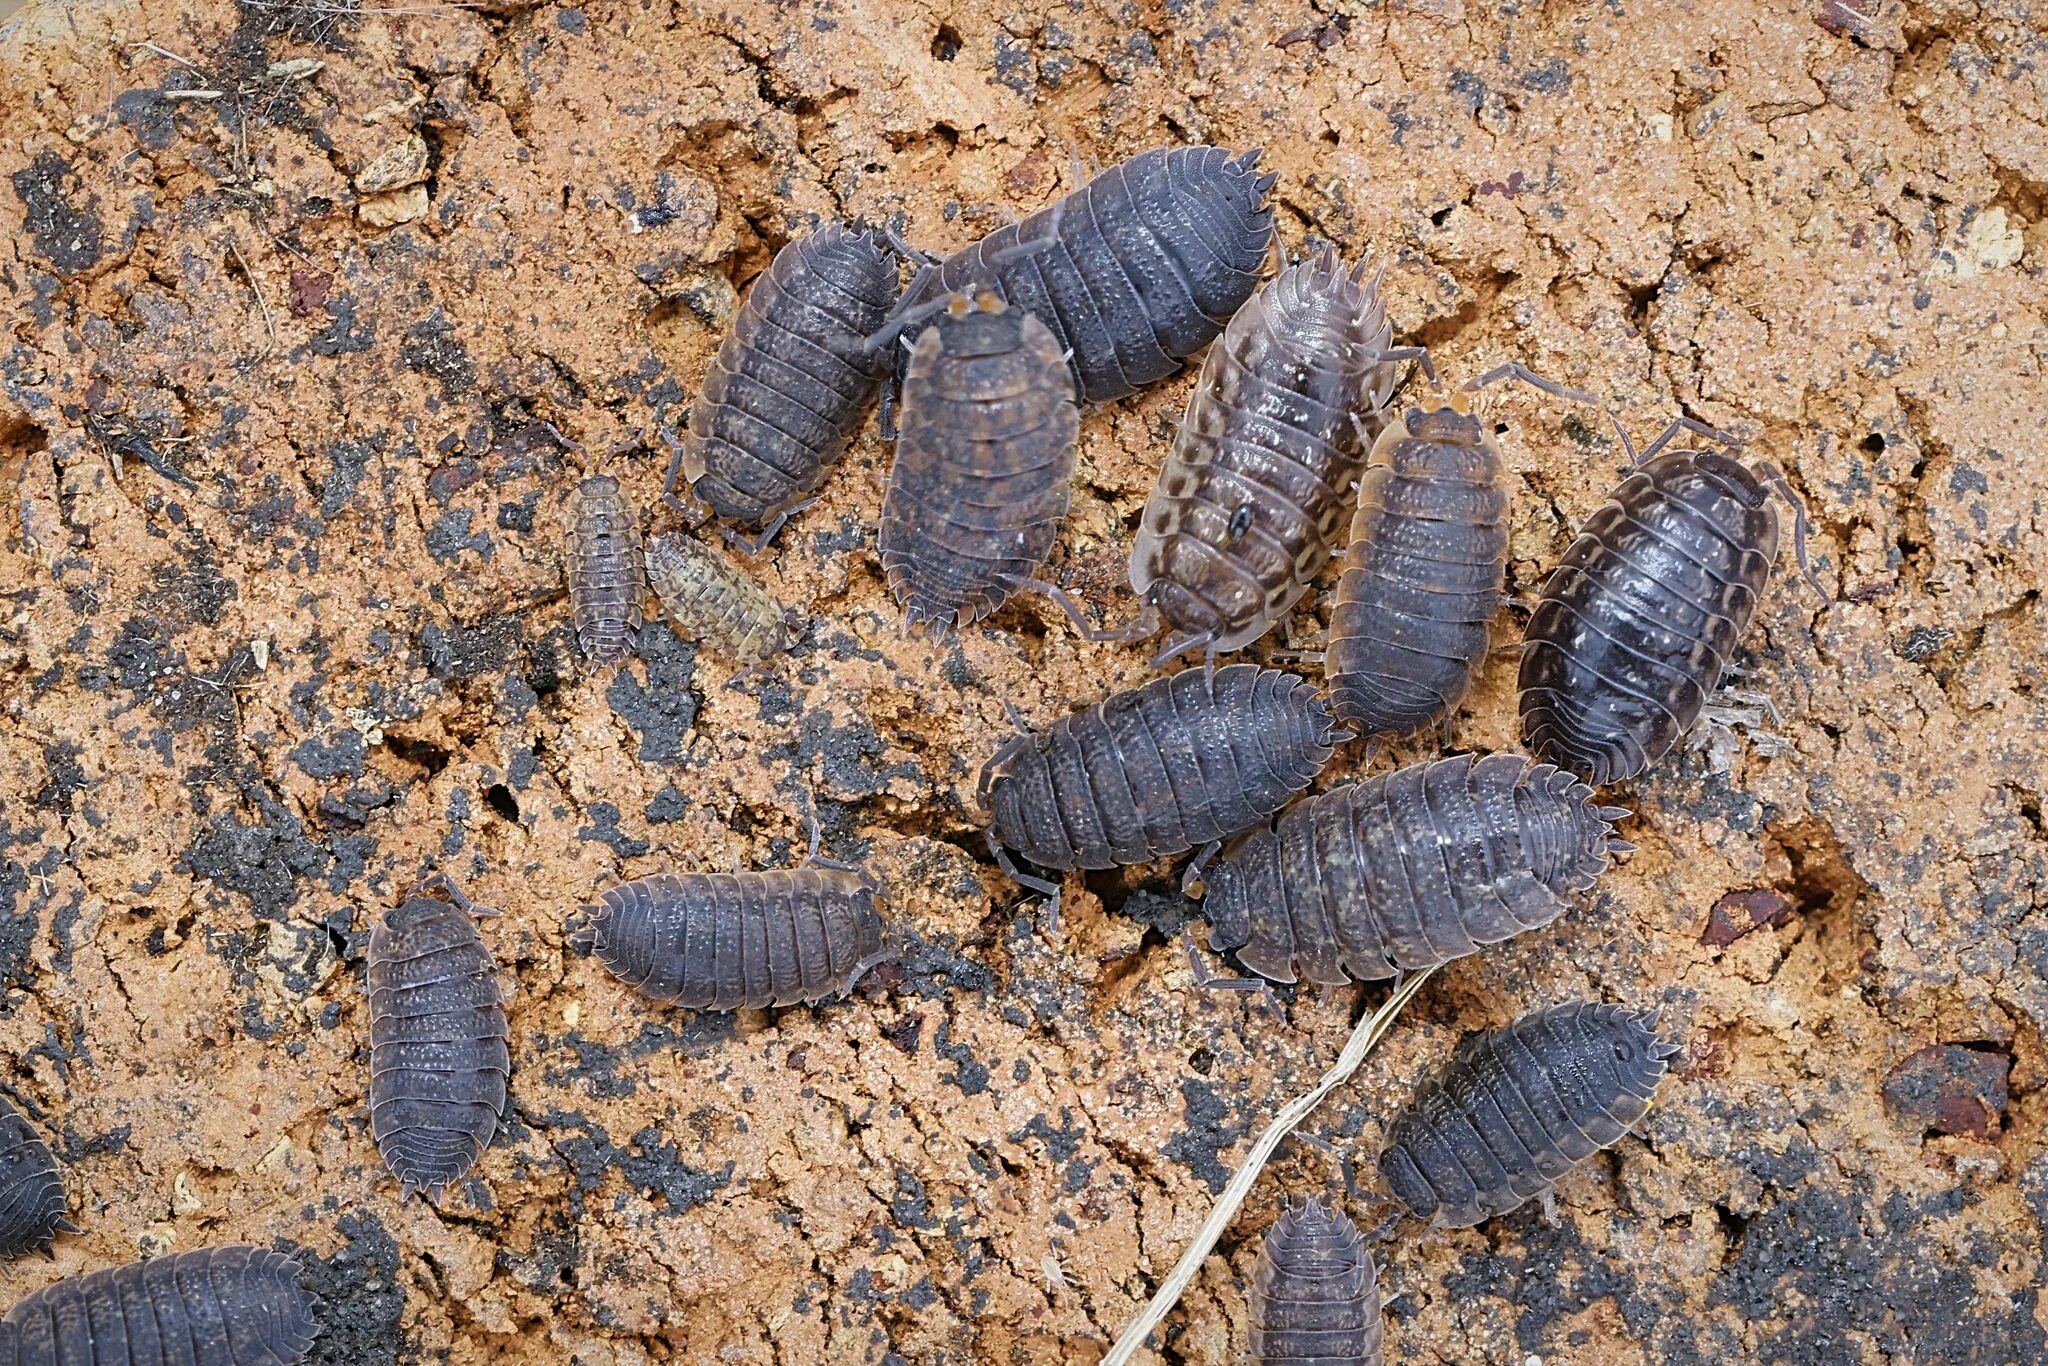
point(211, 1306)
point(606, 576)
point(31, 1195)
point(1315, 1293)
point(713, 602)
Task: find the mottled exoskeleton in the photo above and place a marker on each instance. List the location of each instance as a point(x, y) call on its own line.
point(438, 1056)
point(1133, 272)
point(1637, 623)
point(212, 1306)
point(1316, 1293)
point(606, 577)
point(713, 602)
point(31, 1196)
point(1515, 1110)
point(1249, 504)
point(984, 463)
point(792, 380)
point(1154, 771)
point(1408, 869)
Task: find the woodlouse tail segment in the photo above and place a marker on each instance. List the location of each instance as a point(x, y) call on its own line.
point(1779, 484)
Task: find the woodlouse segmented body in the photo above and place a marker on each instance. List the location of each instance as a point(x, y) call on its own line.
point(984, 463)
point(212, 1306)
point(727, 941)
point(31, 1195)
point(1192, 757)
point(1422, 578)
point(1316, 1293)
point(791, 382)
point(1408, 869)
point(1133, 272)
point(606, 577)
point(1249, 505)
point(1638, 621)
point(713, 602)
point(438, 1056)
point(1516, 1110)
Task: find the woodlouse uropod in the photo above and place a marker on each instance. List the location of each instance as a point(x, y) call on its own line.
point(1406, 870)
point(438, 1054)
point(713, 602)
point(984, 463)
point(1315, 1297)
point(1517, 1109)
point(1636, 624)
point(606, 576)
point(211, 1306)
point(31, 1195)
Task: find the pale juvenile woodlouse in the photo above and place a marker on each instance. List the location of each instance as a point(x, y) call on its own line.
point(713, 602)
point(211, 1306)
point(605, 573)
point(1315, 1297)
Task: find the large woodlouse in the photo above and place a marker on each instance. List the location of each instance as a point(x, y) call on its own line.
point(713, 602)
point(1133, 272)
point(1407, 870)
point(606, 577)
point(438, 1056)
point(1636, 624)
point(212, 1306)
point(984, 463)
point(1315, 1293)
point(791, 382)
point(1515, 1110)
point(1156, 770)
point(31, 1195)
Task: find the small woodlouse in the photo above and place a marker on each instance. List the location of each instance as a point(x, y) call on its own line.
point(984, 463)
point(1133, 272)
point(606, 577)
point(1248, 506)
point(212, 1306)
point(438, 1056)
point(31, 1195)
point(1407, 870)
point(1636, 624)
point(1515, 1110)
point(791, 382)
point(713, 602)
point(1156, 770)
point(1315, 1293)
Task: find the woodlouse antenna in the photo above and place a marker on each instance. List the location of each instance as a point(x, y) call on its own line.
point(1775, 477)
point(1418, 354)
point(1697, 428)
point(1514, 369)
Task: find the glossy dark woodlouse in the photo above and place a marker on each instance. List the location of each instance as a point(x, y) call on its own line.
point(1407, 870)
point(31, 1195)
point(1315, 1294)
point(1515, 1110)
point(984, 463)
point(1133, 272)
point(1156, 770)
point(212, 1306)
point(713, 602)
point(606, 576)
point(438, 1054)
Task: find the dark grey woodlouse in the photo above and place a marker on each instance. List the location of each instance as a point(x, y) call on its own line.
point(984, 463)
point(212, 1306)
point(1133, 272)
point(713, 602)
point(1515, 1110)
point(1315, 1293)
point(1636, 624)
point(438, 1054)
point(1156, 770)
point(1407, 870)
point(31, 1195)
point(606, 576)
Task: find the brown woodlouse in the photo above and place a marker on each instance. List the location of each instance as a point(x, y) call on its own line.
point(606, 577)
point(438, 1054)
point(212, 1306)
point(1156, 770)
point(983, 463)
point(31, 1196)
point(1636, 624)
point(1515, 1110)
point(1316, 1293)
point(1407, 870)
point(713, 602)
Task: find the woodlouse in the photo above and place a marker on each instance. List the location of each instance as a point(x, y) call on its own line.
point(1156, 770)
point(984, 463)
point(1133, 272)
point(1636, 625)
point(438, 1054)
point(1407, 870)
point(1315, 1294)
point(212, 1306)
point(1515, 1110)
point(31, 1195)
point(713, 602)
point(606, 577)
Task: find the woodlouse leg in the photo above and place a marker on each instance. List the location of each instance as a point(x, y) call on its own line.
point(1209, 980)
point(1194, 869)
point(986, 778)
point(1514, 369)
point(442, 882)
point(1179, 645)
point(1775, 477)
point(1549, 1200)
point(751, 546)
point(1143, 626)
point(695, 516)
point(1022, 878)
point(1418, 354)
point(1342, 1159)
